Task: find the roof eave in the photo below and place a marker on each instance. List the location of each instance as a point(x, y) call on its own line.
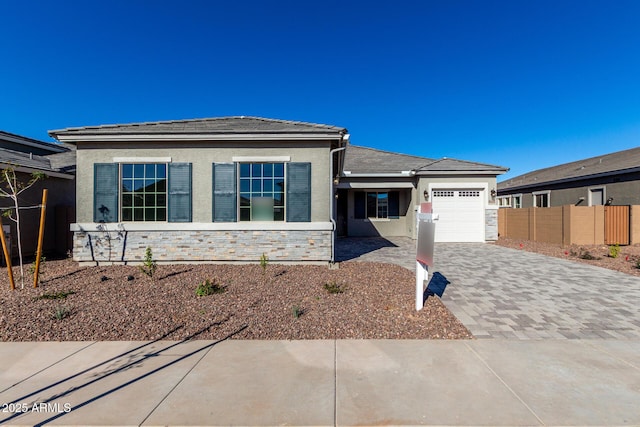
point(27, 169)
point(492, 172)
point(87, 137)
point(32, 142)
point(572, 179)
point(403, 174)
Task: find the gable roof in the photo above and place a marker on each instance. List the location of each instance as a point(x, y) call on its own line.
point(607, 164)
point(360, 160)
point(364, 160)
point(240, 127)
point(455, 165)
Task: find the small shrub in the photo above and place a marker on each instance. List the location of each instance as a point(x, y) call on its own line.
point(335, 287)
point(638, 263)
point(614, 250)
point(149, 265)
point(55, 296)
point(32, 267)
point(209, 287)
point(61, 312)
point(587, 255)
point(264, 261)
point(297, 311)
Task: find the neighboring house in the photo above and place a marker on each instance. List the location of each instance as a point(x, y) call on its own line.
point(381, 191)
point(57, 162)
point(612, 179)
point(230, 189)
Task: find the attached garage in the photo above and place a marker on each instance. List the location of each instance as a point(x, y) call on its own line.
point(380, 192)
point(460, 214)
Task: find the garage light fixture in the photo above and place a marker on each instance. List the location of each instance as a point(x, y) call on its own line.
point(493, 193)
point(426, 195)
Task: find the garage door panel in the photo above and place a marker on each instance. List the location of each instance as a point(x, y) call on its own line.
point(461, 214)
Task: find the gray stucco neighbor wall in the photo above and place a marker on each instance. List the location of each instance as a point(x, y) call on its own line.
point(203, 246)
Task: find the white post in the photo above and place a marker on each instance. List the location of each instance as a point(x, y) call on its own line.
point(422, 274)
point(424, 251)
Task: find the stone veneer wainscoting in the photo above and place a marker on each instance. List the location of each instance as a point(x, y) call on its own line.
point(201, 246)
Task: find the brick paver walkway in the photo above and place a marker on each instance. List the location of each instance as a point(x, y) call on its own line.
point(505, 293)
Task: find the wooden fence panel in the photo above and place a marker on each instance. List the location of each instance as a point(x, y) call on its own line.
point(616, 225)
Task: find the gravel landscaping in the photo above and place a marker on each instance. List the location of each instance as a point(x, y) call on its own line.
point(370, 300)
point(626, 261)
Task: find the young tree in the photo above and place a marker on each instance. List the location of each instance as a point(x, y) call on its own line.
point(11, 187)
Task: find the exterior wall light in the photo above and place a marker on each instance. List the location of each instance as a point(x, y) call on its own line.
point(426, 195)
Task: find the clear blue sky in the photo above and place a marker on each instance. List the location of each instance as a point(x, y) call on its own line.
point(521, 84)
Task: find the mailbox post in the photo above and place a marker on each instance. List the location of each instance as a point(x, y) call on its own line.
point(424, 252)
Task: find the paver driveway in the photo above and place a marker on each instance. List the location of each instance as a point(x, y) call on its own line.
point(506, 293)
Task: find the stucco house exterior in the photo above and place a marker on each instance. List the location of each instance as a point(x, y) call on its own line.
point(230, 189)
point(612, 179)
point(380, 192)
point(57, 162)
point(222, 189)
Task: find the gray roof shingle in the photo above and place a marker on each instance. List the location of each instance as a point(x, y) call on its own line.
point(216, 125)
point(369, 160)
point(453, 165)
point(16, 158)
point(612, 163)
point(363, 160)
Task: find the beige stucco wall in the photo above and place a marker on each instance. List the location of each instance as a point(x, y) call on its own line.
point(201, 155)
point(382, 227)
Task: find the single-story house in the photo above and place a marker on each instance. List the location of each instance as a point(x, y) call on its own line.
point(230, 189)
point(383, 191)
point(609, 179)
point(57, 162)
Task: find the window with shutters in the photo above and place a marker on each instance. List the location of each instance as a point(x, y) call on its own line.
point(143, 191)
point(262, 191)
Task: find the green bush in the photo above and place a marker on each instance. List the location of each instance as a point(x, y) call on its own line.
point(264, 261)
point(334, 287)
point(209, 287)
point(56, 295)
point(149, 265)
point(297, 311)
point(614, 250)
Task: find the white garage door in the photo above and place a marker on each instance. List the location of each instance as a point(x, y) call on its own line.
point(461, 214)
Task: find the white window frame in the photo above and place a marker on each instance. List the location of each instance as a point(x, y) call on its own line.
point(604, 194)
point(539, 193)
point(504, 201)
point(513, 203)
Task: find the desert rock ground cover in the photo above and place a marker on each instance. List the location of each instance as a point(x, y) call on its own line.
point(627, 259)
point(281, 302)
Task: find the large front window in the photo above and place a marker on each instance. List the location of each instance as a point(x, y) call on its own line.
point(144, 191)
point(262, 192)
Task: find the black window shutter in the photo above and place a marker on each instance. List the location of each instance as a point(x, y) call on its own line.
point(105, 192)
point(359, 205)
point(298, 192)
point(179, 205)
point(394, 204)
point(225, 204)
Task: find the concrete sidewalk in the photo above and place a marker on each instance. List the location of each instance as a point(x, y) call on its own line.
point(324, 383)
